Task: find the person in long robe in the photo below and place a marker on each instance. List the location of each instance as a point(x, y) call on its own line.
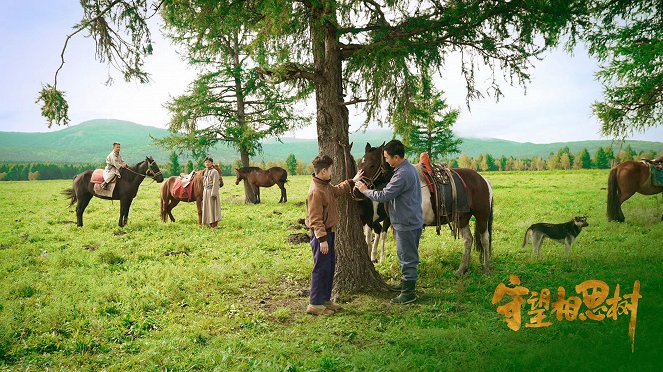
point(113, 164)
point(211, 201)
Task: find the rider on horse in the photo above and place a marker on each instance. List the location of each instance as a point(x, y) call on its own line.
point(113, 164)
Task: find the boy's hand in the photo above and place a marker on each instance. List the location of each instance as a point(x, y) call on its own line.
point(358, 176)
point(361, 186)
point(324, 247)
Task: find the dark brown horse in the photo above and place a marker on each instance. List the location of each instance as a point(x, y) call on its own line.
point(169, 201)
point(257, 178)
point(625, 180)
point(377, 170)
point(125, 190)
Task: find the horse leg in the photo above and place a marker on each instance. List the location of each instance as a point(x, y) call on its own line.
point(199, 207)
point(625, 195)
point(83, 201)
point(125, 204)
point(383, 238)
point(368, 234)
point(257, 189)
point(376, 241)
point(485, 243)
point(467, 239)
point(284, 197)
point(169, 209)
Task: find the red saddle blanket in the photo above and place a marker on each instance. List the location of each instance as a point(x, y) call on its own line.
point(179, 192)
point(97, 176)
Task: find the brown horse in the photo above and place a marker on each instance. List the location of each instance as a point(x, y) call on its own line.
point(377, 170)
point(169, 201)
point(625, 180)
point(257, 178)
point(125, 190)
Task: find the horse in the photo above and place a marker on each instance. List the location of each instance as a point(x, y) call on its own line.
point(373, 215)
point(377, 170)
point(125, 190)
point(624, 181)
point(169, 201)
point(257, 178)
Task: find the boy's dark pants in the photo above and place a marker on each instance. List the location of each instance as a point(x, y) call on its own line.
point(324, 265)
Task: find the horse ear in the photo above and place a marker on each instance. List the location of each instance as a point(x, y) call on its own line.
point(368, 147)
point(382, 145)
point(350, 146)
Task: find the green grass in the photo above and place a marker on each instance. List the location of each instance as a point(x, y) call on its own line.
point(103, 297)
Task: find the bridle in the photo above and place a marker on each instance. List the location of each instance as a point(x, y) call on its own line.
point(150, 171)
point(369, 182)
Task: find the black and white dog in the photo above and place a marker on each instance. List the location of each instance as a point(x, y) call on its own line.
point(565, 233)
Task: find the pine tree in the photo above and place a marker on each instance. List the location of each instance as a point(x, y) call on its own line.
point(175, 168)
point(291, 164)
point(601, 159)
point(585, 160)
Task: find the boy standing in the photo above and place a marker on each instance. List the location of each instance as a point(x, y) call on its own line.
point(321, 218)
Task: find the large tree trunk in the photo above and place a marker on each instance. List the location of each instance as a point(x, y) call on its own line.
point(354, 270)
point(249, 194)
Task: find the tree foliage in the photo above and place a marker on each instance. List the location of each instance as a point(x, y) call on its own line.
point(428, 128)
point(627, 38)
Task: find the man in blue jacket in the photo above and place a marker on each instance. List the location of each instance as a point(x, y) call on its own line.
point(402, 195)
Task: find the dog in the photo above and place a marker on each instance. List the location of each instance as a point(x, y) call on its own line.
point(565, 233)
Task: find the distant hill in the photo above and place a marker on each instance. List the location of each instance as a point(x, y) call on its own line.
point(90, 142)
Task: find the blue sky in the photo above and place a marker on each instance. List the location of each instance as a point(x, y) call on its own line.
point(555, 108)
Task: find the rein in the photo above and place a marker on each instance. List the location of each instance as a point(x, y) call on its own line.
point(148, 172)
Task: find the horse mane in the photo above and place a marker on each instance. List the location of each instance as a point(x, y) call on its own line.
point(248, 169)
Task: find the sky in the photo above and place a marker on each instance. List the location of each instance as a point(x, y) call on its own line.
point(554, 107)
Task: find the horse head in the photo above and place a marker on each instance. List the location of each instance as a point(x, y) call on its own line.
point(240, 176)
point(375, 167)
point(153, 169)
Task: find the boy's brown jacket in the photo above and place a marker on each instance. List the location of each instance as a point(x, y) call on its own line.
point(321, 205)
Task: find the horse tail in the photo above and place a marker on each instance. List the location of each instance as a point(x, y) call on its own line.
point(284, 177)
point(71, 194)
point(613, 197)
point(478, 245)
point(165, 195)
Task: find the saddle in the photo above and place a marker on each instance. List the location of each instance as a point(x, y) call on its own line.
point(655, 170)
point(97, 179)
point(183, 187)
point(449, 195)
point(98, 176)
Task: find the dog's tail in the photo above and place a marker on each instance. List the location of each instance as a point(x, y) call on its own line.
point(614, 209)
point(526, 239)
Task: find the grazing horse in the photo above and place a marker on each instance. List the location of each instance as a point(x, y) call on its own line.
point(170, 201)
point(125, 190)
point(625, 180)
point(257, 178)
point(480, 196)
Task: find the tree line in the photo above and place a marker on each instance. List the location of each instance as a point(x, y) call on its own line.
point(604, 158)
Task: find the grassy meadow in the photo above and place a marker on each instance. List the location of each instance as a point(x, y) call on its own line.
point(174, 296)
